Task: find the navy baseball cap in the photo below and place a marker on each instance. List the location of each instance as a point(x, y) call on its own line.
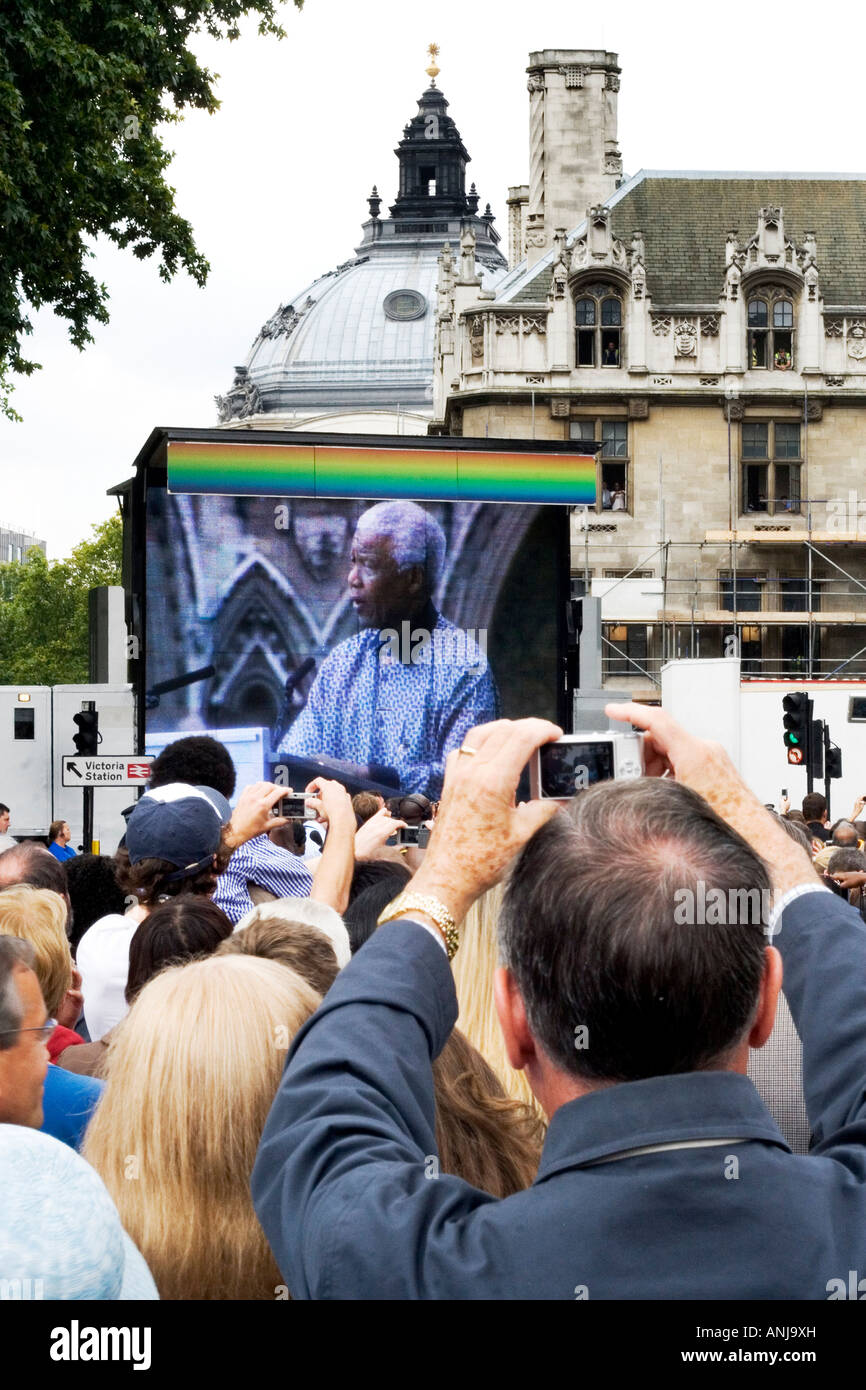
point(179, 823)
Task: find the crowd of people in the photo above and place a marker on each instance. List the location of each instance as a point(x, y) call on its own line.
point(264, 1058)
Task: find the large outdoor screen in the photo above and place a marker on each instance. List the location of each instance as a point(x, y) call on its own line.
point(367, 637)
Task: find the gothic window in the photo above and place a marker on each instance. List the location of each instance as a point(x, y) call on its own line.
point(771, 334)
point(598, 320)
point(771, 457)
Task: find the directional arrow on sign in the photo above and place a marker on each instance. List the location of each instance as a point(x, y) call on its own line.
point(73, 768)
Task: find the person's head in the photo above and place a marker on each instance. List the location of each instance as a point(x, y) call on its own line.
point(59, 833)
point(302, 948)
point(31, 863)
point(815, 807)
point(39, 916)
point(5, 816)
point(291, 837)
point(397, 556)
point(860, 827)
point(199, 760)
point(482, 1135)
point(840, 861)
point(370, 871)
point(844, 835)
point(632, 930)
point(414, 809)
point(308, 911)
point(192, 1073)
point(796, 816)
point(174, 844)
point(365, 805)
point(363, 913)
point(23, 1051)
point(174, 932)
point(93, 892)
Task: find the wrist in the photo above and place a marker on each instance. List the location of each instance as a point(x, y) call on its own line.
point(457, 901)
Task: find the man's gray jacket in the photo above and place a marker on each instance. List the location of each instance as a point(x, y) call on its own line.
point(629, 1202)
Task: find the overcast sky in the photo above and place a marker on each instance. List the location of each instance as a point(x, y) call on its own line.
point(275, 184)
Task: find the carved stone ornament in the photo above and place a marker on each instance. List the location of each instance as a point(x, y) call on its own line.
point(611, 81)
point(507, 323)
point(533, 323)
point(685, 338)
point(559, 407)
point(281, 322)
point(735, 410)
point(224, 409)
point(476, 338)
point(835, 380)
point(815, 410)
point(535, 82)
point(709, 325)
point(663, 381)
point(834, 328)
point(574, 74)
point(536, 238)
point(638, 277)
point(638, 408)
point(709, 381)
point(857, 340)
point(661, 324)
point(613, 163)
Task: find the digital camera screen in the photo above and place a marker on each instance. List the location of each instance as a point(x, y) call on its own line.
point(567, 768)
point(370, 635)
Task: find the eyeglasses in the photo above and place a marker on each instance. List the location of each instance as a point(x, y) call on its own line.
point(46, 1030)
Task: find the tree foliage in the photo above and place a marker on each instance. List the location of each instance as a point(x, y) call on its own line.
point(43, 609)
point(85, 88)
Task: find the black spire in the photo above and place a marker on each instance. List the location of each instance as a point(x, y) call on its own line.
point(433, 163)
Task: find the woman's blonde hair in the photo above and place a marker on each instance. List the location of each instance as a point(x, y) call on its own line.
point(38, 915)
point(473, 967)
point(192, 1072)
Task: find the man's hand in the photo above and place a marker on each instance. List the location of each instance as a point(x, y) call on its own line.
point(330, 799)
point(370, 838)
point(252, 815)
point(851, 878)
point(707, 769)
point(479, 830)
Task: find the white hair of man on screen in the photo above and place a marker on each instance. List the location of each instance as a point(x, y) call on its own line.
point(415, 534)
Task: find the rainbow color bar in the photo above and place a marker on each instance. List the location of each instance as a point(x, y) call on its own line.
point(328, 470)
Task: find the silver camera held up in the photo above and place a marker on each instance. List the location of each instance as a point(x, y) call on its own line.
point(560, 770)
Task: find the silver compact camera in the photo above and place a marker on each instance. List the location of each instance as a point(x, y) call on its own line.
point(560, 770)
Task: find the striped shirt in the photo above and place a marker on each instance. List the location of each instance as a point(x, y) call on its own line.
point(261, 862)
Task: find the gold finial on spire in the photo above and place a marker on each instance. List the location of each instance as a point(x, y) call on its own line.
point(433, 71)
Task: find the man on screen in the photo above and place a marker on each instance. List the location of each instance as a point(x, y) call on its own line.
point(399, 695)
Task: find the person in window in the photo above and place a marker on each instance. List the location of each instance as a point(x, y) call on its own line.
point(618, 500)
point(782, 359)
point(610, 356)
point(605, 498)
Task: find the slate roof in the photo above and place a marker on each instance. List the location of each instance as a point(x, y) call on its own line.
point(685, 219)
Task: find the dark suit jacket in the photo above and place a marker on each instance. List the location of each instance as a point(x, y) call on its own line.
point(345, 1181)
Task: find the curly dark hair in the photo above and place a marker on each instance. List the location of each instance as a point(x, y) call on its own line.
point(148, 882)
point(93, 892)
point(200, 760)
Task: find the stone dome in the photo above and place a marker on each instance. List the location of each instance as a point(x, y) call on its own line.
point(361, 337)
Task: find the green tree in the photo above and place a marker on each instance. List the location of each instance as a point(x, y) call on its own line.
point(43, 609)
point(85, 87)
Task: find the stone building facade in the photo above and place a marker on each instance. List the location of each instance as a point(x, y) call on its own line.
point(709, 330)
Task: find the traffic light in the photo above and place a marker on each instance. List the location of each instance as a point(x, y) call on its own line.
point(797, 718)
point(816, 750)
point(88, 738)
point(833, 761)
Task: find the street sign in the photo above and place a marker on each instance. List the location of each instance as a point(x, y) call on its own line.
point(105, 770)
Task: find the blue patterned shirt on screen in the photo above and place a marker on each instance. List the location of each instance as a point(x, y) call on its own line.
point(370, 708)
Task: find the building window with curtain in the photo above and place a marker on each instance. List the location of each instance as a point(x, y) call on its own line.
point(771, 460)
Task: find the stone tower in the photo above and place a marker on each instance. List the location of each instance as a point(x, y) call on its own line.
point(574, 159)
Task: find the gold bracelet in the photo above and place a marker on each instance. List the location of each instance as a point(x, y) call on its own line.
point(433, 908)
